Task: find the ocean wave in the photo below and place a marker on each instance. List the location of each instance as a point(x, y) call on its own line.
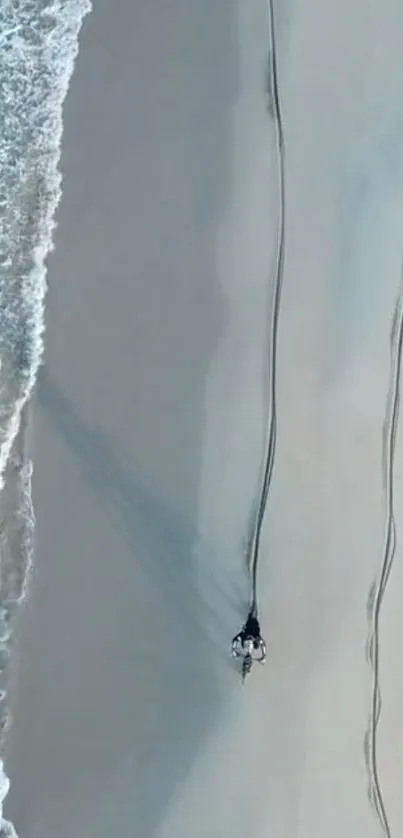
point(39, 45)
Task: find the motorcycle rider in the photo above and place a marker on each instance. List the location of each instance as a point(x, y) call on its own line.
point(249, 641)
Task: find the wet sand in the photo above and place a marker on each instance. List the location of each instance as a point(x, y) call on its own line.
point(149, 426)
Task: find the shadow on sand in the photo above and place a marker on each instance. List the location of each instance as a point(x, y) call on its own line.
point(171, 655)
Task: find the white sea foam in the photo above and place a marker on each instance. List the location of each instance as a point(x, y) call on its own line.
point(39, 45)
point(6, 829)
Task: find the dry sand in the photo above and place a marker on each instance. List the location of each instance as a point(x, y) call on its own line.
point(149, 423)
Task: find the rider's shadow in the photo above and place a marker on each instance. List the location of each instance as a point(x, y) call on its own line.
point(144, 517)
point(184, 674)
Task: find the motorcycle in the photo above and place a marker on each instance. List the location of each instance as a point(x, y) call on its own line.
point(249, 646)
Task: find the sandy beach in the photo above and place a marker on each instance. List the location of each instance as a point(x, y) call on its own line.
point(149, 421)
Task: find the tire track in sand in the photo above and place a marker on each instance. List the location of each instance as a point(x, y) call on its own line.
point(379, 584)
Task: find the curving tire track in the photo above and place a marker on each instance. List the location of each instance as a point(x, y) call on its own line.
point(254, 539)
point(379, 585)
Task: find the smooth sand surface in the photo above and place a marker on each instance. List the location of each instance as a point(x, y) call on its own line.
point(149, 420)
